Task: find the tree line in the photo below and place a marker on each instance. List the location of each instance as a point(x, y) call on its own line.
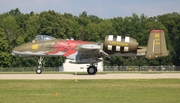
point(17, 28)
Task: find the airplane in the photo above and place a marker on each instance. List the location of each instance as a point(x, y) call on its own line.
point(80, 52)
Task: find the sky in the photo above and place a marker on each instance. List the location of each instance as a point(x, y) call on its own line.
point(101, 8)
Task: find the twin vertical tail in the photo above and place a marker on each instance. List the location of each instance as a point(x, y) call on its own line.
point(156, 45)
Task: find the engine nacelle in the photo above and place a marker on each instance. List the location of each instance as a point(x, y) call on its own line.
point(120, 44)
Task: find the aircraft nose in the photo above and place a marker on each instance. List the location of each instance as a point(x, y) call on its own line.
point(17, 50)
point(21, 50)
point(13, 53)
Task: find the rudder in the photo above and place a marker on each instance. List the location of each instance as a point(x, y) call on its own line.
point(156, 45)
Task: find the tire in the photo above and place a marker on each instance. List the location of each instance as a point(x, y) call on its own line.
point(38, 71)
point(92, 70)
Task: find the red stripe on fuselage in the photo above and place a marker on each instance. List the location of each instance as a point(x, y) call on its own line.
point(67, 46)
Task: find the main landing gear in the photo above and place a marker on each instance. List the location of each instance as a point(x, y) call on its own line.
point(92, 69)
point(39, 69)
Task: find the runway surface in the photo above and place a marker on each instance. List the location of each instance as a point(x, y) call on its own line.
point(98, 76)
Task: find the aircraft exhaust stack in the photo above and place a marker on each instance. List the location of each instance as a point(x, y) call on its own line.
point(156, 45)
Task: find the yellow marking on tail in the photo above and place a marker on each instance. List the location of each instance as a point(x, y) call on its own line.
point(157, 35)
point(157, 42)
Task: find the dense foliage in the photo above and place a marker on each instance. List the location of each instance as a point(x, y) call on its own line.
point(17, 28)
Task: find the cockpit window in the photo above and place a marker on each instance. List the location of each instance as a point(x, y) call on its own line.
point(40, 38)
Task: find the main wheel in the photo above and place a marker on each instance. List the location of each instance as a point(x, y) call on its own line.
point(92, 70)
point(38, 71)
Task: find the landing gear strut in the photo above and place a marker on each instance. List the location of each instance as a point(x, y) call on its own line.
point(92, 69)
point(39, 69)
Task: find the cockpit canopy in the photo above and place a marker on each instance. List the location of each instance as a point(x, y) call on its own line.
point(40, 38)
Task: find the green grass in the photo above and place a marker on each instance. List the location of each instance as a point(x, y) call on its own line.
point(90, 91)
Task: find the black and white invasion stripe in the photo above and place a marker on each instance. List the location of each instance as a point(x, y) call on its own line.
point(118, 39)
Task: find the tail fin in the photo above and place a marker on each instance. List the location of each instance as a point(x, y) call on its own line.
point(156, 45)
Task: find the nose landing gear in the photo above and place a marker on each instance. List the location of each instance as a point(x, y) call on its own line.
point(39, 69)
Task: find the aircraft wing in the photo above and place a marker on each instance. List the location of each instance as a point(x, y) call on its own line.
point(94, 48)
point(90, 47)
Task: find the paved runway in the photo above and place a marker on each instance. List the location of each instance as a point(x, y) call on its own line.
point(98, 76)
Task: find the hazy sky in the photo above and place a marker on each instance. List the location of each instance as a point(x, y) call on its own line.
point(100, 8)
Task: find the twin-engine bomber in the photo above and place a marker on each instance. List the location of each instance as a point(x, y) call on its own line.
point(90, 52)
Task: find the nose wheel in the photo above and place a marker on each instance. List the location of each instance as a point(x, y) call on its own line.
point(39, 69)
